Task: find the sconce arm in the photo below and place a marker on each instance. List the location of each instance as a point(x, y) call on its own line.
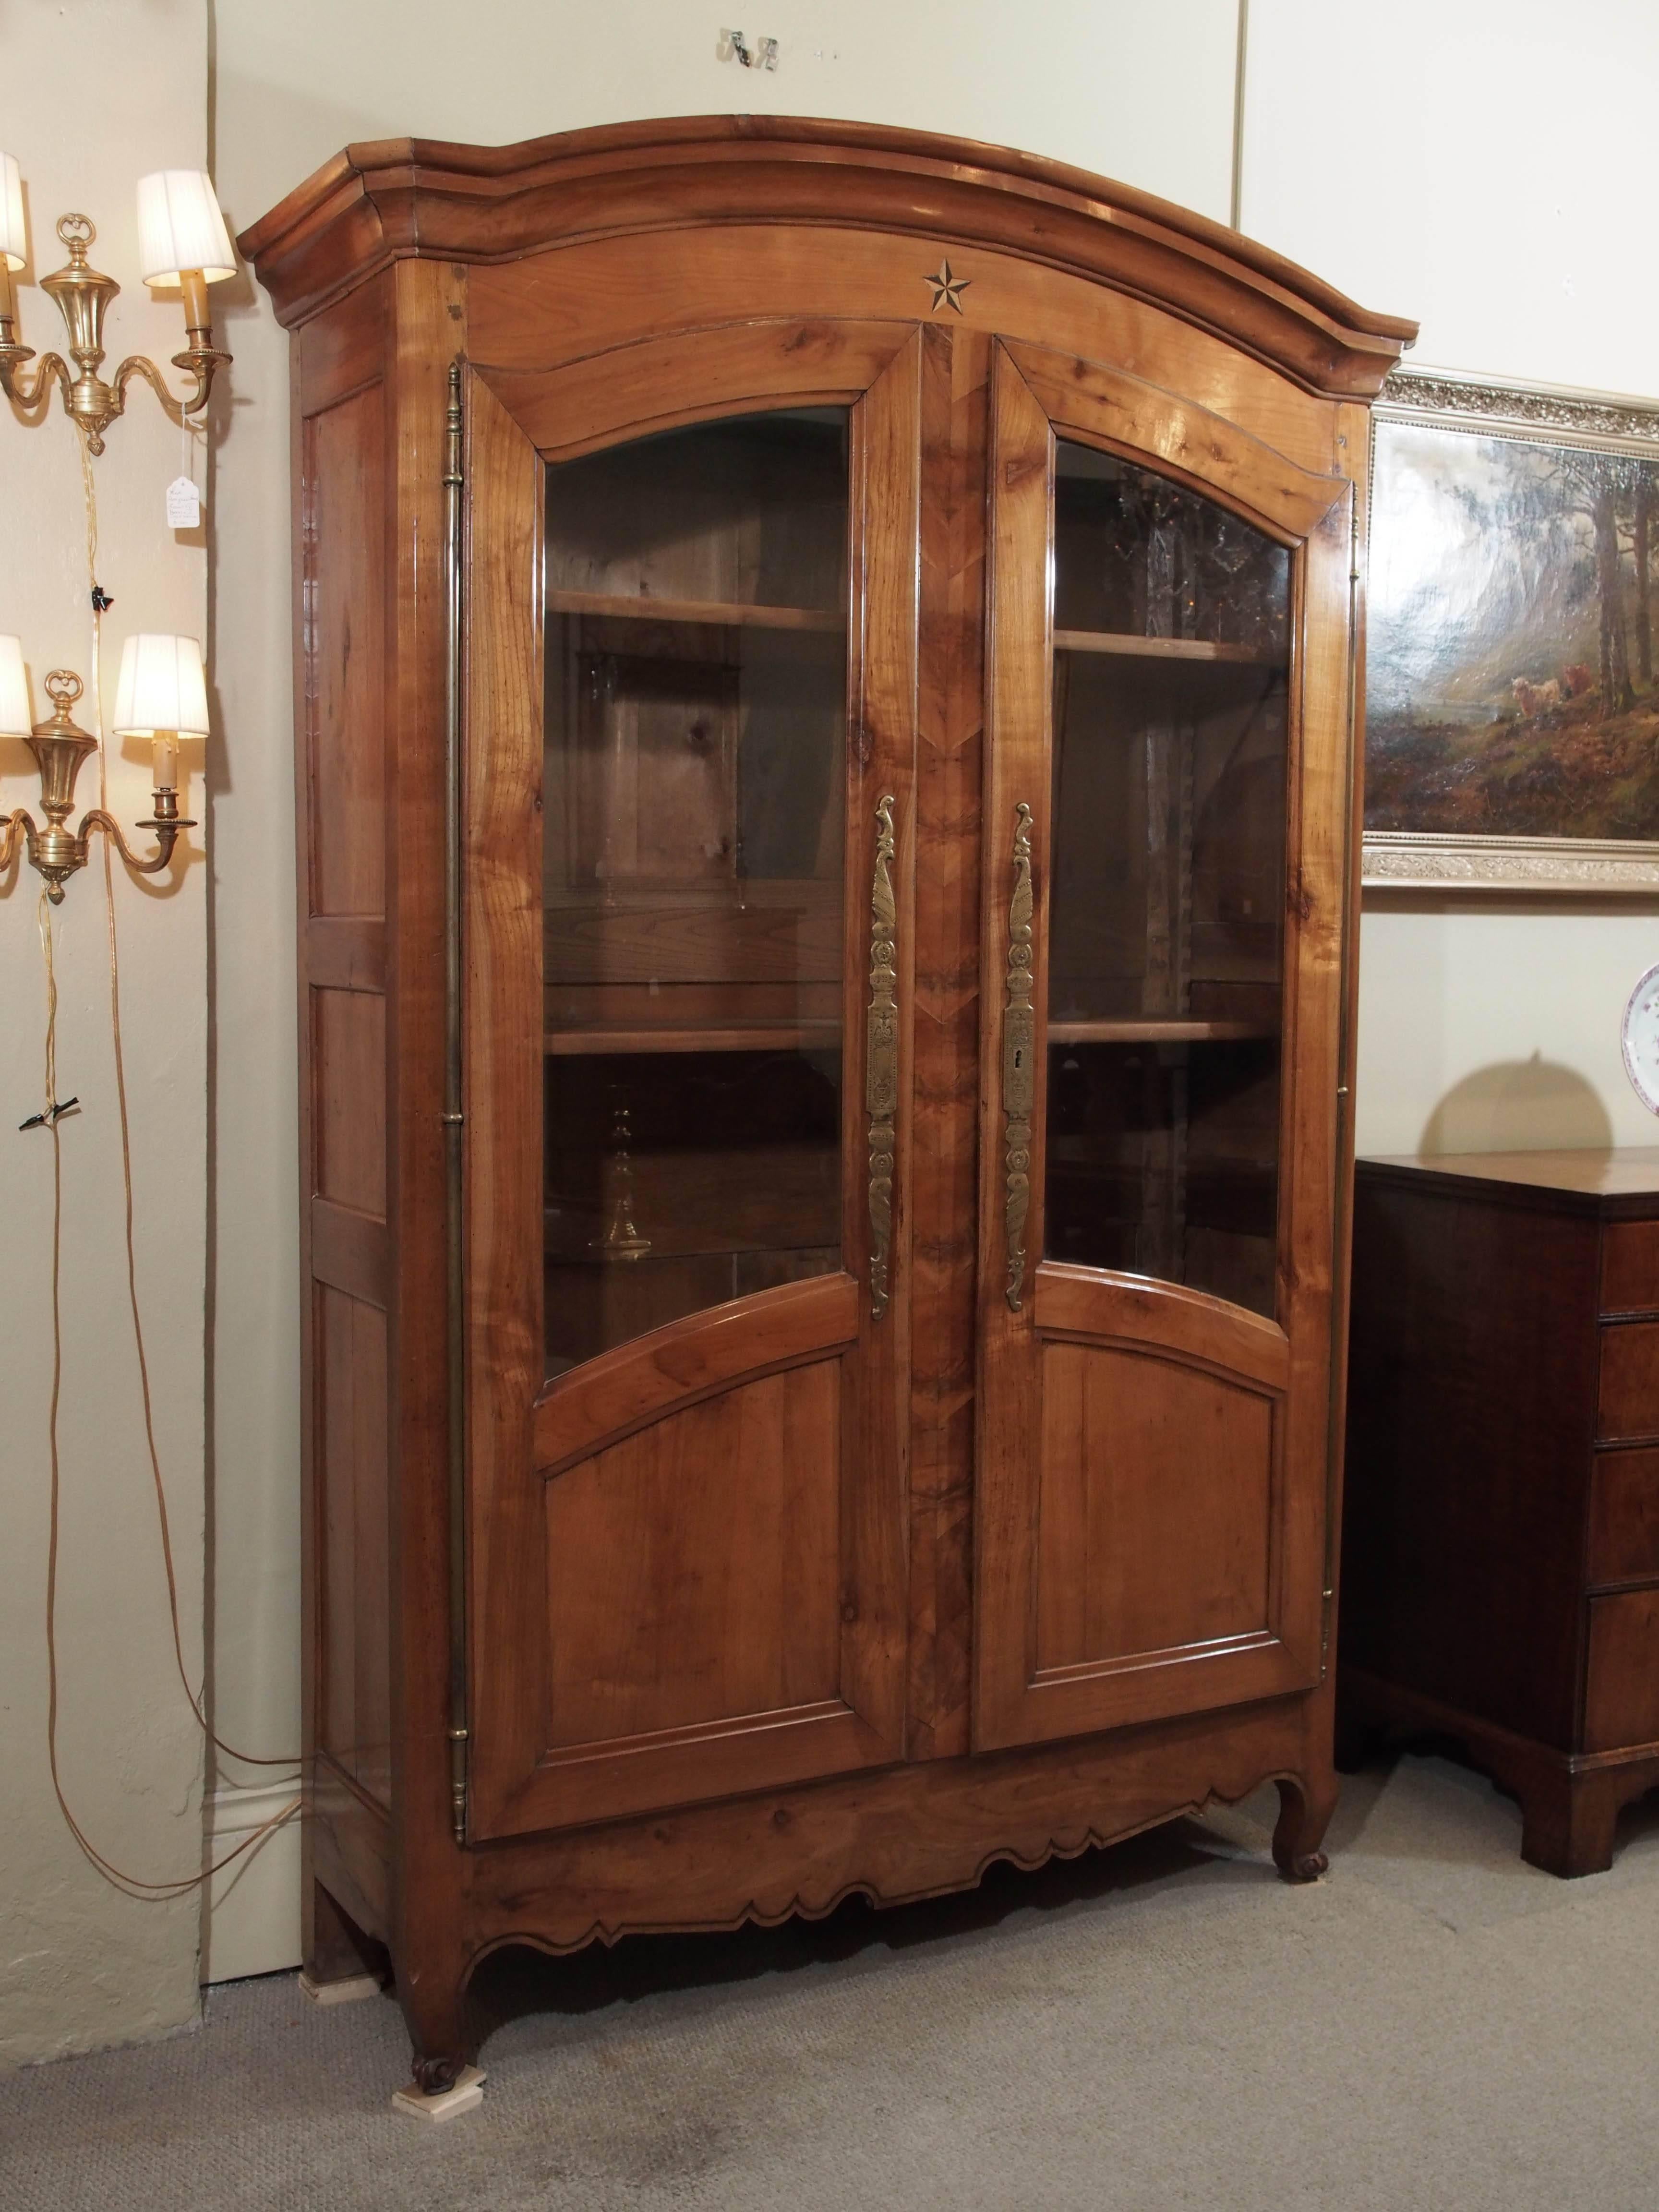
point(198, 361)
point(166, 837)
point(22, 822)
point(29, 391)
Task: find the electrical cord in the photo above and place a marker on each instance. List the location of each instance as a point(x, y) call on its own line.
point(131, 1885)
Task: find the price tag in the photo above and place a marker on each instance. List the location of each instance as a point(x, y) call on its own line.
point(184, 504)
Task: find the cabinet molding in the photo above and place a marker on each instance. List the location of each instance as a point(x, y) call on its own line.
point(381, 201)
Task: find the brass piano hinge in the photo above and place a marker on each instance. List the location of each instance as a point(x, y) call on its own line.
point(459, 1739)
point(453, 1117)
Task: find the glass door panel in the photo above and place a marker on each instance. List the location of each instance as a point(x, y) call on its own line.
point(1165, 965)
point(695, 775)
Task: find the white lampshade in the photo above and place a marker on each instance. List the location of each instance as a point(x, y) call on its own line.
point(161, 688)
point(180, 227)
point(17, 715)
point(14, 238)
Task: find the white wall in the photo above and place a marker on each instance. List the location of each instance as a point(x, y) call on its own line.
point(1490, 172)
point(81, 1966)
point(1144, 92)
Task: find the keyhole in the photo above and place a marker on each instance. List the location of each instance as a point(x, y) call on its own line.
point(1020, 1055)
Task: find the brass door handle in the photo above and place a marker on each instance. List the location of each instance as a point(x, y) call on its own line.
point(881, 1056)
point(1018, 1061)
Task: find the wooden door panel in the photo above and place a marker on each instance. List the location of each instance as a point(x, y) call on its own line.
point(1139, 1549)
point(702, 1620)
point(693, 1569)
point(1152, 1475)
point(685, 1554)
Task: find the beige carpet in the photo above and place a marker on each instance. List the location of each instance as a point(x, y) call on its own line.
point(1435, 2026)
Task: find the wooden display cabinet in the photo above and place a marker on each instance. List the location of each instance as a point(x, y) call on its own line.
point(827, 871)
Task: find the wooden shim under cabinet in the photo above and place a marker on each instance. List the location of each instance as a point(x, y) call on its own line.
point(754, 1036)
point(1163, 649)
point(1157, 1032)
point(726, 614)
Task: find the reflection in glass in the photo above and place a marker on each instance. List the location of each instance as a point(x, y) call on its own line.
point(1171, 635)
point(694, 776)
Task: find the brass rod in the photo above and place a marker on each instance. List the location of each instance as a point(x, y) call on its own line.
point(454, 1129)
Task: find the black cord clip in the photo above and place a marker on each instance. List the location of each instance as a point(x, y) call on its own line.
point(53, 1114)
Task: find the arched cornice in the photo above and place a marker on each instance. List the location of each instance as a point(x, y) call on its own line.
point(393, 199)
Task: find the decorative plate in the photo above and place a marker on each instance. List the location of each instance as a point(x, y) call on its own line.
point(1640, 1035)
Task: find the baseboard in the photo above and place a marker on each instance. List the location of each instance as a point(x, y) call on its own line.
point(251, 1915)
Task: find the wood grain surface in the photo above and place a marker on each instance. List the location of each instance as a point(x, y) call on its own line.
point(783, 1599)
point(1501, 1551)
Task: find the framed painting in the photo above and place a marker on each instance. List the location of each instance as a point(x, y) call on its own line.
point(1512, 711)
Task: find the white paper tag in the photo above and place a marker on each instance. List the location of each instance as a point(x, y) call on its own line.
point(184, 504)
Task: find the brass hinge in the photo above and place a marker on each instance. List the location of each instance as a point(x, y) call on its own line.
point(1325, 1633)
point(457, 1743)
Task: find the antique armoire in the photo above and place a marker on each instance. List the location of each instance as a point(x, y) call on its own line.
point(827, 676)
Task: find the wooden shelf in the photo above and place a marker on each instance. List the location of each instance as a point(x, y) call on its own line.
point(590, 1254)
point(1164, 649)
point(725, 614)
point(1157, 1032)
point(750, 1036)
point(816, 1036)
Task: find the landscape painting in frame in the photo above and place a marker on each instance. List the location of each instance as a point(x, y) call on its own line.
point(1511, 712)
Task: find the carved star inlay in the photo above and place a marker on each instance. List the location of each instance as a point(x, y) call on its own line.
point(947, 289)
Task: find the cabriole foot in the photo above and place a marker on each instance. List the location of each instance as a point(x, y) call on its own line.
point(1303, 1817)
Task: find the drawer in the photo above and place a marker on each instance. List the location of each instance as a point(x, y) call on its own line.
point(1630, 1266)
point(1623, 1518)
point(1627, 1395)
point(1621, 1691)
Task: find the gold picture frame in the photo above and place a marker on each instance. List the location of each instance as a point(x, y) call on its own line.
point(1492, 505)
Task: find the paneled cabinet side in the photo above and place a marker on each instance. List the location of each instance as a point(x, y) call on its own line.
point(342, 730)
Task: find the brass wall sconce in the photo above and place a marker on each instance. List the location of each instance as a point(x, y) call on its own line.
point(162, 695)
point(182, 241)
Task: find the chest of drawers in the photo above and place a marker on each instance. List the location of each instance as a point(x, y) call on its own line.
point(1500, 1557)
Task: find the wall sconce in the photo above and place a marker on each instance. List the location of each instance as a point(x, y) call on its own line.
point(182, 241)
point(161, 696)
